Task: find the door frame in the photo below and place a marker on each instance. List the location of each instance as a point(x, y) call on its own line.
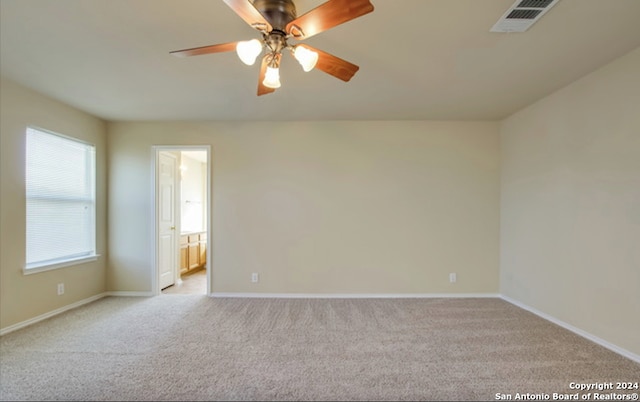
point(155, 235)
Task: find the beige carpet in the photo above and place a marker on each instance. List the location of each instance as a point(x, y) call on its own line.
point(190, 347)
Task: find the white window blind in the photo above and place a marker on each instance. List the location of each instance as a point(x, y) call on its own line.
point(61, 201)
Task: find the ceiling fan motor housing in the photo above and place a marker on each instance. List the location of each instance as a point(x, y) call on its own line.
point(277, 12)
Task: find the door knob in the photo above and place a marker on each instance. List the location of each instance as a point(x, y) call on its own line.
point(172, 228)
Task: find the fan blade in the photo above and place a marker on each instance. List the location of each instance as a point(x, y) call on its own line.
point(223, 47)
point(263, 90)
point(249, 14)
point(333, 65)
point(326, 16)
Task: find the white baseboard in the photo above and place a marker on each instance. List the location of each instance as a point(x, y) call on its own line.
point(353, 295)
point(131, 294)
point(578, 331)
point(50, 314)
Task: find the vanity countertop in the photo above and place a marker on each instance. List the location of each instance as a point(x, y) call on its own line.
point(187, 233)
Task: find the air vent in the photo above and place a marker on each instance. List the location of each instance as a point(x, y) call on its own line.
point(535, 3)
point(522, 14)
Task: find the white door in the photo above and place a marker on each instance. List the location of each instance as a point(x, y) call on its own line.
point(167, 245)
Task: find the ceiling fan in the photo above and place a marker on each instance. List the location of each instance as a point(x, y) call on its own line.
point(278, 22)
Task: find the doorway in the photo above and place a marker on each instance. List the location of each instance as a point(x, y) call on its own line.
point(182, 197)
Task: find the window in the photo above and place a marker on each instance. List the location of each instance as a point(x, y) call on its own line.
point(61, 201)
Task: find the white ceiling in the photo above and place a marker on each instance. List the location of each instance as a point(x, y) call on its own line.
point(419, 59)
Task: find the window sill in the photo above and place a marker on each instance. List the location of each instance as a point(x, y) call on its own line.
point(35, 268)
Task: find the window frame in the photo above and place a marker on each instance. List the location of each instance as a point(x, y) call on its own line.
point(42, 266)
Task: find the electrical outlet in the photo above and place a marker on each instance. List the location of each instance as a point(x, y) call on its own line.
point(254, 277)
point(60, 289)
point(452, 277)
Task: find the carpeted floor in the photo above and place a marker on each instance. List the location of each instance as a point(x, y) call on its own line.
point(192, 347)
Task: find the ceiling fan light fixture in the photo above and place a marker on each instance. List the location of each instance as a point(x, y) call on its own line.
point(249, 50)
point(278, 21)
point(307, 58)
point(272, 78)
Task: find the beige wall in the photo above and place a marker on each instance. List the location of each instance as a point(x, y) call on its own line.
point(24, 297)
point(570, 204)
point(323, 207)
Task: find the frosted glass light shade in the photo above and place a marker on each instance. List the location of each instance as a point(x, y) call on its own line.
point(248, 51)
point(272, 78)
point(307, 58)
